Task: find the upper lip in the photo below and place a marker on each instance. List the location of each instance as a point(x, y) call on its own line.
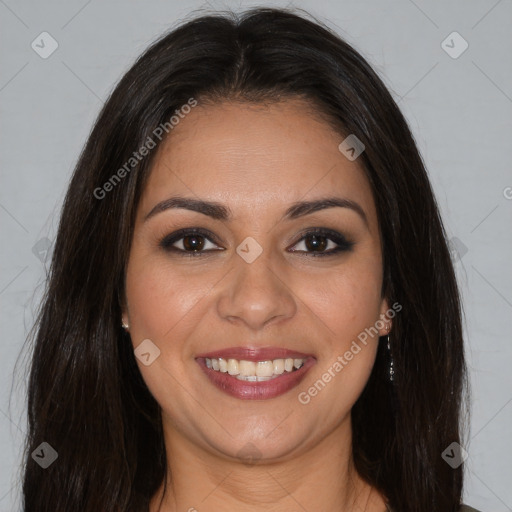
point(255, 353)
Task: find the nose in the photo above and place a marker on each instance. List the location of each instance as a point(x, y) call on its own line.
point(256, 295)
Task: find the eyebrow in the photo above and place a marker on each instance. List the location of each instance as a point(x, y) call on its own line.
point(220, 212)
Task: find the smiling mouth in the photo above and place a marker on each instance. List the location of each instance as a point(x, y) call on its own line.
point(254, 371)
point(255, 374)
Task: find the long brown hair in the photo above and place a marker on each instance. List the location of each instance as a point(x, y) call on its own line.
point(86, 396)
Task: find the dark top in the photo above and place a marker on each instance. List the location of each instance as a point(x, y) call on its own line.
point(463, 508)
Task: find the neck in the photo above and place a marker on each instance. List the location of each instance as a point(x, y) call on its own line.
point(321, 478)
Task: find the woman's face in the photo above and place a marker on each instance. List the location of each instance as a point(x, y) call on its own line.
point(255, 287)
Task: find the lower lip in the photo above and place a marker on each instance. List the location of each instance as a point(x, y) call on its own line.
point(256, 390)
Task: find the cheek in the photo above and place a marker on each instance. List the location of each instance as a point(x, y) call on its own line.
point(346, 356)
point(159, 299)
point(346, 301)
point(161, 307)
point(348, 305)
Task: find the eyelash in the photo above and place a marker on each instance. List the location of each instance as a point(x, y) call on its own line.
point(343, 244)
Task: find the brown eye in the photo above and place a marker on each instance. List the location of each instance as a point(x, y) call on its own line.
point(189, 242)
point(316, 243)
point(193, 242)
point(322, 242)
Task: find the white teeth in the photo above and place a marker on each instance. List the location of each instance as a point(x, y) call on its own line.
point(253, 378)
point(254, 371)
point(278, 366)
point(247, 368)
point(233, 367)
point(264, 368)
point(248, 378)
point(223, 365)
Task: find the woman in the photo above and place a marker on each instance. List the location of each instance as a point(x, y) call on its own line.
point(251, 303)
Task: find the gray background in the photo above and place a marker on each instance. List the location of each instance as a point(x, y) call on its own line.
point(459, 110)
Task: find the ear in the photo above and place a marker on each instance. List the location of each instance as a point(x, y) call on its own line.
point(385, 319)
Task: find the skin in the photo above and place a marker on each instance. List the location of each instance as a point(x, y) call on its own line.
point(256, 160)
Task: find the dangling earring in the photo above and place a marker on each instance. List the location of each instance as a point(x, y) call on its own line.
point(391, 363)
point(124, 326)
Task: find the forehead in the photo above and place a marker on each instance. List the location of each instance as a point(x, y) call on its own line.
point(255, 158)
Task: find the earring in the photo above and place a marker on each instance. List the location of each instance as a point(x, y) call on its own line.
point(391, 363)
point(124, 326)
